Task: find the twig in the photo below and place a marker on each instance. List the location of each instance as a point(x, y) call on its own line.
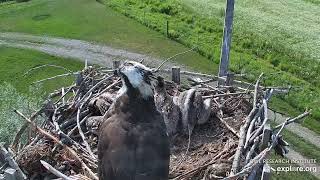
point(56, 140)
point(23, 128)
point(256, 91)
point(82, 135)
point(63, 94)
point(173, 57)
point(54, 77)
point(243, 129)
point(258, 131)
point(252, 149)
point(263, 155)
point(289, 121)
point(213, 160)
point(109, 87)
point(92, 89)
point(46, 65)
point(229, 127)
point(225, 94)
point(54, 171)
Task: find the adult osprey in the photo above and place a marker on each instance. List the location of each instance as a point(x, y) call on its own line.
point(133, 144)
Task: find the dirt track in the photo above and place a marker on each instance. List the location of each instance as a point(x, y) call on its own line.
point(71, 48)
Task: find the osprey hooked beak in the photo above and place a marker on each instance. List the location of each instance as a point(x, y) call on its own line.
point(138, 76)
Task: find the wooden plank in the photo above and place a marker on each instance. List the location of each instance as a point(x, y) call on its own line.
point(265, 136)
point(266, 172)
point(10, 174)
point(176, 74)
point(9, 158)
point(229, 80)
point(116, 64)
point(226, 41)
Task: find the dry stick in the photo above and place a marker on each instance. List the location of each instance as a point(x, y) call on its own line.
point(229, 127)
point(256, 91)
point(252, 149)
point(93, 88)
point(263, 155)
point(109, 87)
point(187, 151)
point(82, 135)
point(23, 128)
point(54, 171)
point(199, 82)
point(56, 140)
point(173, 57)
point(54, 77)
point(213, 160)
point(13, 164)
point(58, 130)
point(46, 65)
point(251, 126)
point(226, 94)
point(243, 129)
point(86, 64)
point(63, 96)
point(264, 107)
point(289, 121)
point(58, 92)
point(265, 120)
point(76, 127)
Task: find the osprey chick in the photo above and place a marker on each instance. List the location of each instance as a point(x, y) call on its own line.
point(133, 144)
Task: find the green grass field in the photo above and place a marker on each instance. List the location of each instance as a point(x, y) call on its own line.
point(16, 91)
point(250, 52)
point(292, 25)
point(92, 21)
point(15, 62)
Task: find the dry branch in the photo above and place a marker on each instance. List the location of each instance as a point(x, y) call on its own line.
point(56, 140)
point(54, 171)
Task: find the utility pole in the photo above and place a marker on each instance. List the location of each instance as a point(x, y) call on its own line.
point(226, 41)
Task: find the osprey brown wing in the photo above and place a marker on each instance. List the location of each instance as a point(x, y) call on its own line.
point(131, 149)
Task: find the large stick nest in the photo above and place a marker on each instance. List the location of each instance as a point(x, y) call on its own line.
point(67, 138)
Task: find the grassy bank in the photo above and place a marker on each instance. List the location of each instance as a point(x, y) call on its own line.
point(16, 91)
point(11, 99)
point(14, 63)
point(92, 21)
point(303, 146)
point(250, 53)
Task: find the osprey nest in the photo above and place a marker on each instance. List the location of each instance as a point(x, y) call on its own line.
point(216, 132)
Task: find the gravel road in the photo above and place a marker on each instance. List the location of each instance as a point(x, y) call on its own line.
point(78, 49)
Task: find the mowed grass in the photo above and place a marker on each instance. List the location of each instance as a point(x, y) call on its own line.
point(16, 91)
point(93, 21)
point(14, 63)
point(250, 53)
point(290, 24)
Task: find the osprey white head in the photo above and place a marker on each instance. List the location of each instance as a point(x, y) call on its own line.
point(137, 76)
